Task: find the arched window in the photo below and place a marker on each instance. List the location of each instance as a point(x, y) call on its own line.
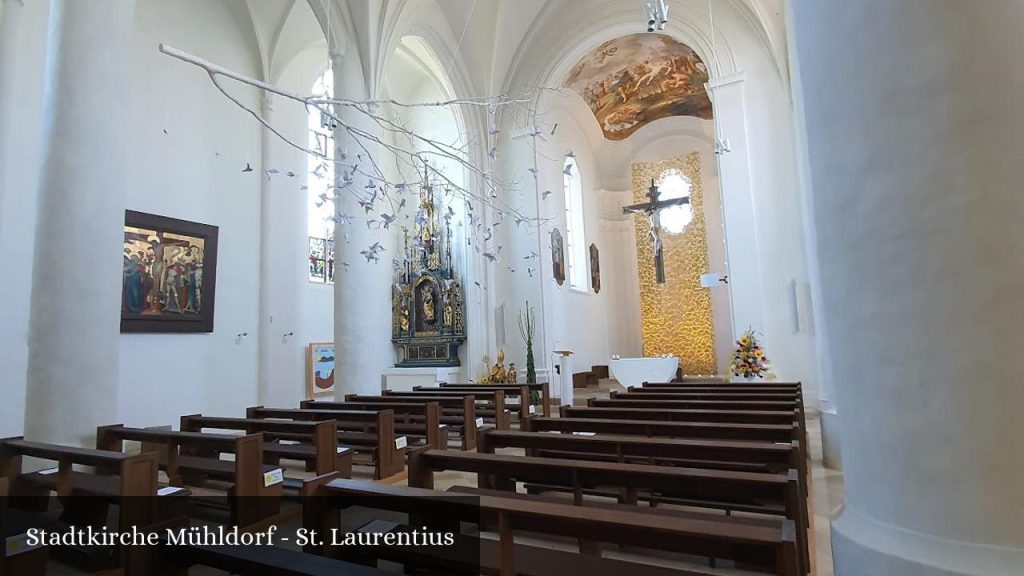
point(576, 240)
point(320, 191)
point(673, 184)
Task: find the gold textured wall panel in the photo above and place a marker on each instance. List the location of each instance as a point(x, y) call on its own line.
point(676, 315)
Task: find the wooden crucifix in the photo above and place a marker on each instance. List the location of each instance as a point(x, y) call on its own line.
point(652, 210)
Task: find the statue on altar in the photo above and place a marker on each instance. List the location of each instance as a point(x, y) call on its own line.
point(428, 303)
point(498, 374)
point(428, 306)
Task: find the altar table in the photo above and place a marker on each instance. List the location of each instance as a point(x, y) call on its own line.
point(636, 371)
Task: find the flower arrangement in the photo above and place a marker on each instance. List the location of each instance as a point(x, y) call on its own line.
point(749, 360)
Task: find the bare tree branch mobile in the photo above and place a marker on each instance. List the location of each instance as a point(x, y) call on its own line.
point(362, 173)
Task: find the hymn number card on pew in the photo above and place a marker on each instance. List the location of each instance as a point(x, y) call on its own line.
point(479, 422)
point(275, 476)
point(401, 442)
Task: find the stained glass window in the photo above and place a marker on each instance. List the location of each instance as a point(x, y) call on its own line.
point(320, 187)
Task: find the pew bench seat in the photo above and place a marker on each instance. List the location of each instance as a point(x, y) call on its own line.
point(752, 505)
point(256, 561)
point(108, 487)
point(471, 555)
point(213, 467)
point(762, 521)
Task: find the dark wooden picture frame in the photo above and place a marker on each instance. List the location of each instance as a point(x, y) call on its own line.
point(168, 274)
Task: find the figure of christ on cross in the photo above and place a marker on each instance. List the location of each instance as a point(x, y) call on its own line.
point(652, 209)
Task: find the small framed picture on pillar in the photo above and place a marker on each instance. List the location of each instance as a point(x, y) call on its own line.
point(169, 277)
point(319, 370)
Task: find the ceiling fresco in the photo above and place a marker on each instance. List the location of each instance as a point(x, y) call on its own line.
point(633, 80)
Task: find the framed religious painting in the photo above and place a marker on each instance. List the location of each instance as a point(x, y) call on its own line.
point(319, 370)
point(595, 269)
point(169, 278)
point(557, 256)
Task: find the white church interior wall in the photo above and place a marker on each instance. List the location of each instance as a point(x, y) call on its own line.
point(193, 172)
point(298, 307)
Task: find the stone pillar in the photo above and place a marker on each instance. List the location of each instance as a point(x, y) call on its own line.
point(915, 138)
point(76, 284)
point(362, 293)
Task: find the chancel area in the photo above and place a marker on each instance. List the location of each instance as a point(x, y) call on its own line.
point(511, 287)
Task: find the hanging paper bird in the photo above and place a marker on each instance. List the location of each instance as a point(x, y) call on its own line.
point(248, 168)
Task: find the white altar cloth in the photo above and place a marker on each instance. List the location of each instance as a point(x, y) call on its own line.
point(636, 371)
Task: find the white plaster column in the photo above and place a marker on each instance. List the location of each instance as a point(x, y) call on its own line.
point(10, 17)
point(739, 213)
point(915, 135)
point(362, 294)
point(268, 335)
point(76, 287)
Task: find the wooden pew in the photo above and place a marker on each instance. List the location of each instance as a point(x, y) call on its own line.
point(490, 405)
point(785, 417)
point(724, 385)
point(524, 409)
point(715, 454)
point(254, 561)
point(368, 432)
point(543, 390)
point(708, 415)
point(673, 394)
point(709, 430)
point(318, 448)
point(770, 545)
point(128, 481)
point(774, 494)
point(693, 404)
point(763, 405)
point(459, 413)
point(255, 492)
point(16, 557)
point(420, 422)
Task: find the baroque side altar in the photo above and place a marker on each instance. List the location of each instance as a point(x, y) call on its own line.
point(427, 300)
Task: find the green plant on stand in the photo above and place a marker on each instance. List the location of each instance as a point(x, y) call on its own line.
point(527, 329)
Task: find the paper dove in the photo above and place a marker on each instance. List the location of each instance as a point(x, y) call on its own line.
point(370, 223)
point(271, 172)
point(366, 205)
point(544, 195)
point(248, 168)
point(553, 128)
point(569, 153)
point(530, 272)
point(493, 153)
point(568, 170)
point(290, 174)
point(386, 220)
